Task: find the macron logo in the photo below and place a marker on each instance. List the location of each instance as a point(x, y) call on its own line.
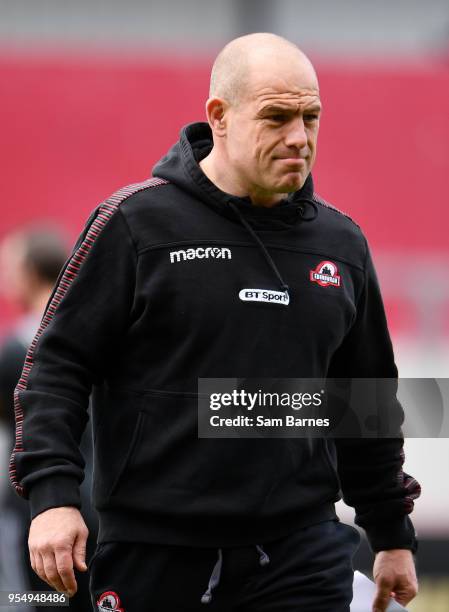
point(200, 253)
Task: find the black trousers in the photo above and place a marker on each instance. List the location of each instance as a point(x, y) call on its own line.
point(307, 571)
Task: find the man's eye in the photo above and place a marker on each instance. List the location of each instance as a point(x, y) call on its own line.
point(278, 117)
point(310, 118)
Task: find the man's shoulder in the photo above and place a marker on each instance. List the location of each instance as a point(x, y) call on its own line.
point(150, 210)
point(105, 217)
point(136, 192)
point(333, 210)
point(341, 231)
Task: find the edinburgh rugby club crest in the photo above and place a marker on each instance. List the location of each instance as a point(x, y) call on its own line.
point(109, 601)
point(325, 274)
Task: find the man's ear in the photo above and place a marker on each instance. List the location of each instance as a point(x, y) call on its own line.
point(216, 116)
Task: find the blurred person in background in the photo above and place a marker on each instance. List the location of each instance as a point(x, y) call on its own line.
point(31, 259)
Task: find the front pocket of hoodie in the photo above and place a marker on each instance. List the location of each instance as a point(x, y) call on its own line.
point(169, 469)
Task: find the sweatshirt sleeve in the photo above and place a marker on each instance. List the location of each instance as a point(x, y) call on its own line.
point(370, 470)
point(83, 322)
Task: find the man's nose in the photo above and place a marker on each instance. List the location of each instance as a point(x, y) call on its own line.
point(297, 136)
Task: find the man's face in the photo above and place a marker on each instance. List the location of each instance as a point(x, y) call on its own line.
point(272, 132)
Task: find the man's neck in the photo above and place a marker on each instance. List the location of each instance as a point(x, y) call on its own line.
point(231, 184)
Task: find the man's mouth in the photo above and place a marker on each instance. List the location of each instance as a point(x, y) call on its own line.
point(293, 161)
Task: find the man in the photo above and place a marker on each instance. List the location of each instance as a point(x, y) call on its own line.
point(155, 296)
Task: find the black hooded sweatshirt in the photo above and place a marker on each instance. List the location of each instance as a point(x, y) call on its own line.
point(149, 301)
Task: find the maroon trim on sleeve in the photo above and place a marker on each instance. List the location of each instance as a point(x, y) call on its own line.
point(411, 485)
point(106, 211)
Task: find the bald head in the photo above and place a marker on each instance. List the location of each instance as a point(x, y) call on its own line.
point(244, 56)
point(264, 113)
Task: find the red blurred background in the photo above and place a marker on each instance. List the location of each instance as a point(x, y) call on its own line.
point(75, 127)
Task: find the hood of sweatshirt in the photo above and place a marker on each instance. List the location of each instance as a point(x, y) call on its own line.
point(181, 167)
